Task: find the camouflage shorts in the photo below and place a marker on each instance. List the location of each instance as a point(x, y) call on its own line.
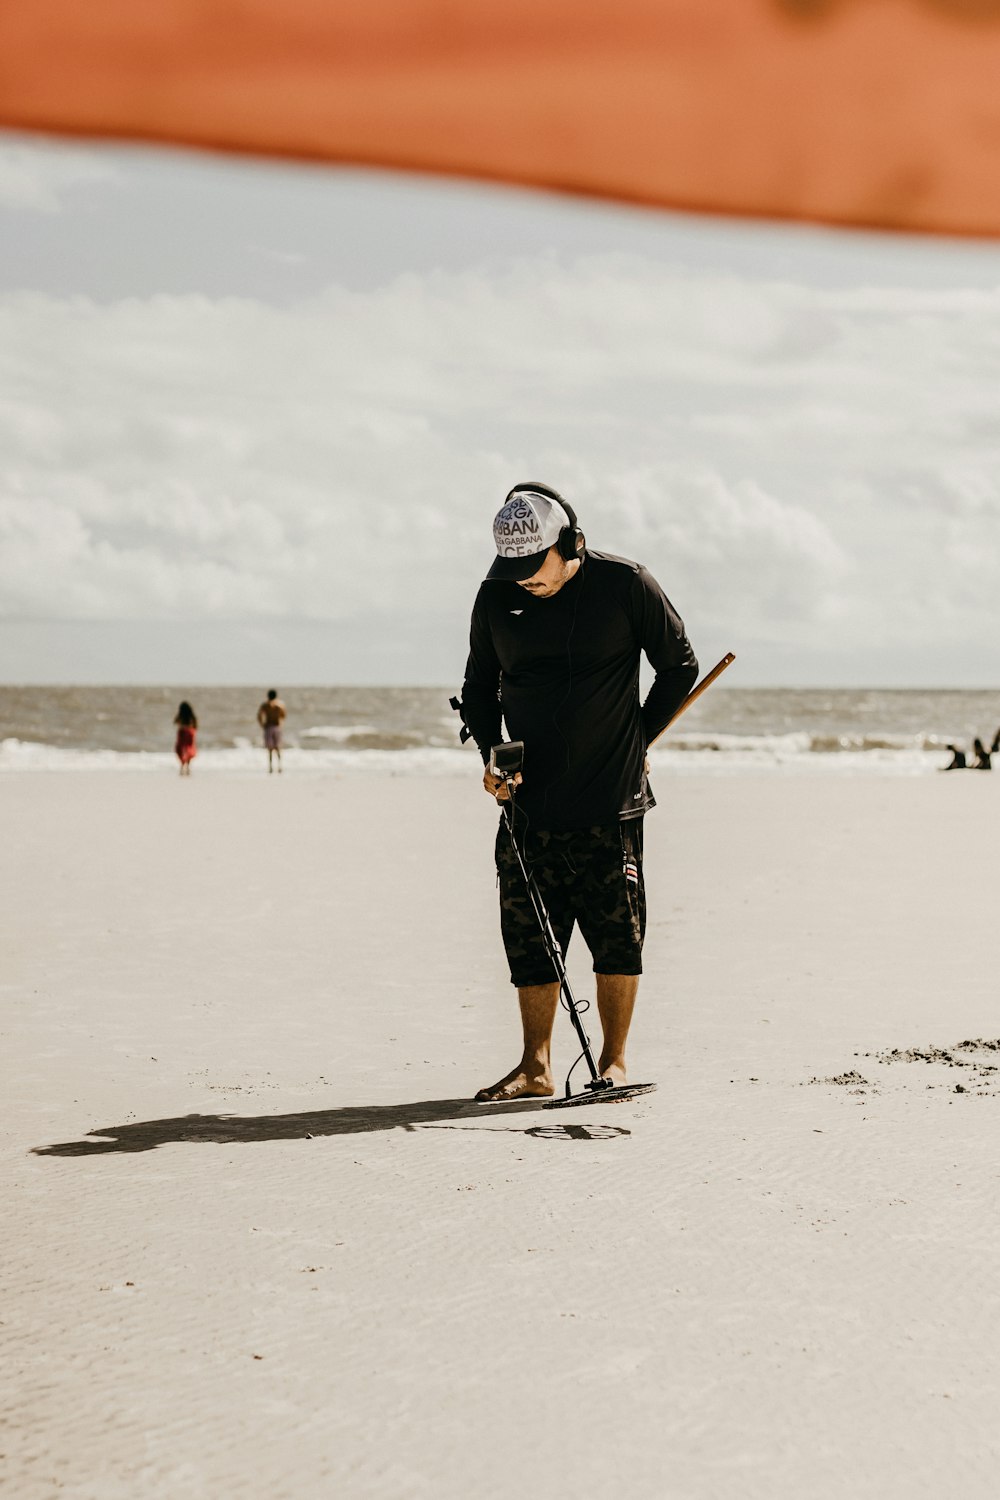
point(591, 877)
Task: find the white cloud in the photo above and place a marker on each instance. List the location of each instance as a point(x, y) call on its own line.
point(796, 465)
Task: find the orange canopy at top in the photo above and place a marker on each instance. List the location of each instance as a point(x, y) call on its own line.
point(869, 112)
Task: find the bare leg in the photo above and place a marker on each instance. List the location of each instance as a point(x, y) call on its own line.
point(532, 1078)
point(615, 1002)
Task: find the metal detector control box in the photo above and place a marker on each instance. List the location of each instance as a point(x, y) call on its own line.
point(507, 759)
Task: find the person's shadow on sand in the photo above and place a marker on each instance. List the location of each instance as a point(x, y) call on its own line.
point(226, 1130)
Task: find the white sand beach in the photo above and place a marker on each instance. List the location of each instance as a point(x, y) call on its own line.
point(258, 1243)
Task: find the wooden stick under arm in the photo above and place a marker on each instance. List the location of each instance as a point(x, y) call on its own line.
point(696, 692)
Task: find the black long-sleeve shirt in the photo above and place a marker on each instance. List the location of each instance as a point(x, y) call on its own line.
point(563, 674)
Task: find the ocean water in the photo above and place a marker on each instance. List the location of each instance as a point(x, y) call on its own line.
point(413, 731)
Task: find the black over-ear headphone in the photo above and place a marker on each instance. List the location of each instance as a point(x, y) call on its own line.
point(571, 541)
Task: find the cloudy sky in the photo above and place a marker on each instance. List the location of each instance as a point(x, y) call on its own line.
point(255, 421)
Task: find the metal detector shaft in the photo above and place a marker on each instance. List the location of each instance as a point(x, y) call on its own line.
point(697, 690)
point(548, 933)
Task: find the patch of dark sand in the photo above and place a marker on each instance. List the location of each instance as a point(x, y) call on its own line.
point(970, 1054)
point(944, 1055)
point(851, 1079)
point(980, 1056)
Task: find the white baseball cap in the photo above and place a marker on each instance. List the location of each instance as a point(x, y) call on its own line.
point(524, 529)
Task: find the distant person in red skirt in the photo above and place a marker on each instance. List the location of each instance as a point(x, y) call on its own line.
point(187, 730)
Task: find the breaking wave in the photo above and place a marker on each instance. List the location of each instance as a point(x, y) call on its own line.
point(360, 748)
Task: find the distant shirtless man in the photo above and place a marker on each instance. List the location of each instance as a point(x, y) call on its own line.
point(269, 717)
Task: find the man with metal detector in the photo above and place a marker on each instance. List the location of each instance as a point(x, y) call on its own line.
point(556, 638)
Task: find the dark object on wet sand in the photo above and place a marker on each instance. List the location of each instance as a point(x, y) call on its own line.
point(983, 760)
